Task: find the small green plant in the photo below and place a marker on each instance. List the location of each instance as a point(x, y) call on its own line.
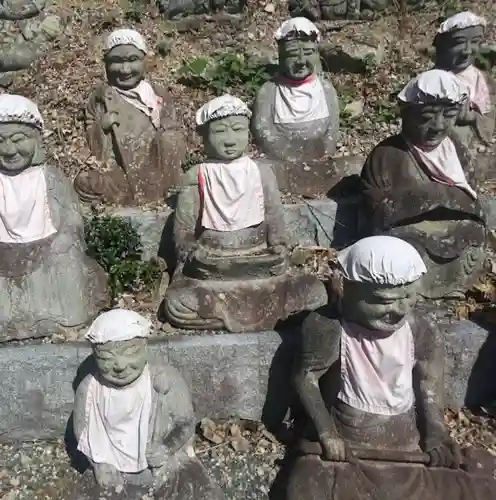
point(115, 244)
point(134, 10)
point(346, 96)
point(386, 111)
point(224, 72)
point(370, 63)
point(192, 158)
point(164, 47)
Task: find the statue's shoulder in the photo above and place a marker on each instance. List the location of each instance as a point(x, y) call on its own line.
point(266, 90)
point(392, 148)
point(323, 321)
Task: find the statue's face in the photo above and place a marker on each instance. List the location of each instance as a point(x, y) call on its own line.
point(298, 59)
point(455, 51)
point(227, 138)
point(427, 126)
point(18, 143)
point(125, 66)
point(378, 307)
point(121, 363)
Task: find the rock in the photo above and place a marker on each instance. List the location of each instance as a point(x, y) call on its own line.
point(270, 8)
point(355, 52)
point(355, 108)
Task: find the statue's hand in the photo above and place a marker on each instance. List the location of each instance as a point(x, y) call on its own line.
point(156, 456)
point(334, 448)
point(466, 116)
point(107, 475)
point(109, 120)
point(447, 454)
point(277, 249)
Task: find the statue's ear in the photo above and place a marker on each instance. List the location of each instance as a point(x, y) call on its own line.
point(39, 156)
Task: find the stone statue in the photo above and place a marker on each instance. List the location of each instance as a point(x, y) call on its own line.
point(370, 379)
point(174, 9)
point(230, 236)
point(457, 42)
point(316, 10)
point(131, 127)
point(133, 417)
point(419, 186)
point(296, 116)
point(22, 45)
point(47, 282)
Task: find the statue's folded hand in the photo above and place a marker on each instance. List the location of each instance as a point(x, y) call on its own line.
point(447, 454)
point(334, 448)
point(107, 475)
point(156, 456)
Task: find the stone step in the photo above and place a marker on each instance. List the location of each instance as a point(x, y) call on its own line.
point(230, 375)
point(327, 222)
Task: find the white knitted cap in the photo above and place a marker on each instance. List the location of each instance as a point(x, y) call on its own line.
point(125, 37)
point(116, 325)
point(461, 21)
point(432, 86)
point(296, 24)
point(16, 108)
point(220, 107)
point(383, 260)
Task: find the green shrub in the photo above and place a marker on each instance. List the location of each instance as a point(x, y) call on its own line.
point(227, 71)
point(115, 244)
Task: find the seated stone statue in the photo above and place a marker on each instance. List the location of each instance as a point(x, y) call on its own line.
point(457, 42)
point(233, 270)
point(296, 116)
point(419, 186)
point(133, 417)
point(131, 127)
point(47, 282)
point(22, 45)
point(370, 378)
point(336, 9)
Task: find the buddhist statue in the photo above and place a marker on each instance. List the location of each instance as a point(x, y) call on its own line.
point(419, 185)
point(230, 236)
point(336, 9)
point(47, 283)
point(131, 128)
point(369, 375)
point(22, 44)
point(457, 42)
point(296, 116)
point(133, 416)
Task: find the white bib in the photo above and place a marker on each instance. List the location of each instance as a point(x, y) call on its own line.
point(117, 420)
point(376, 373)
point(24, 209)
point(300, 103)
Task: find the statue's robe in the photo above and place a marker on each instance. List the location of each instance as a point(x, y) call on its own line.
point(51, 284)
point(171, 431)
point(444, 223)
point(141, 162)
point(415, 430)
point(230, 280)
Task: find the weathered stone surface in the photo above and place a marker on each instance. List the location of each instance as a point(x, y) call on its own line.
point(354, 52)
point(228, 374)
point(315, 222)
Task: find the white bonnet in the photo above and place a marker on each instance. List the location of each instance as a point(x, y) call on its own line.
point(16, 108)
point(431, 86)
point(116, 325)
point(461, 21)
point(125, 37)
point(383, 260)
point(220, 107)
point(296, 24)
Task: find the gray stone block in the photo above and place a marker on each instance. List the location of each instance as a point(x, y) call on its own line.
point(230, 375)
